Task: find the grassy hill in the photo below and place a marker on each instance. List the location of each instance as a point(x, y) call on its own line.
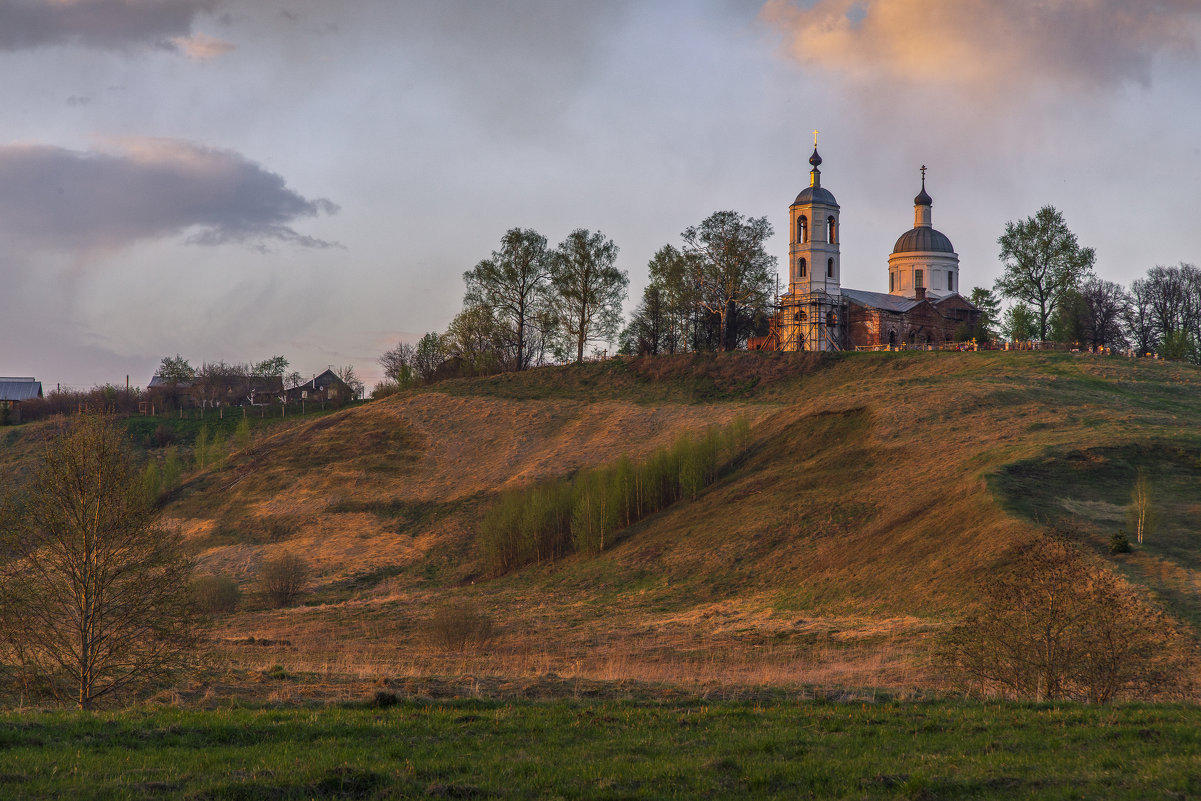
point(878, 488)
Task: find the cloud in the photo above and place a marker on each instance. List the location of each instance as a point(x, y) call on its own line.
point(995, 44)
point(52, 199)
point(200, 47)
point(106, 24)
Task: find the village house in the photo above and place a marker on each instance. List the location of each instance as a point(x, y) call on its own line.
point(324, 387)
point(14, 392)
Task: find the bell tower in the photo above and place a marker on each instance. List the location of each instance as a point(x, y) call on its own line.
point(814, 233)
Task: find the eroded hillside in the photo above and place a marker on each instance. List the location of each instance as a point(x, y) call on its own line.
point(878, 488)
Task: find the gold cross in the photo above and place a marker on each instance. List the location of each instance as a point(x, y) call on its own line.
point(815, 138)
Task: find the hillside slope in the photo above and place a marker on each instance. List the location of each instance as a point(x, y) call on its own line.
point(877, 490)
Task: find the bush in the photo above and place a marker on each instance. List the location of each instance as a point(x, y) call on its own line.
point(284, 579)
point(457, 624)
point(1119, 543)
point(1055, 626)
point(216, 594)
point(164, 435)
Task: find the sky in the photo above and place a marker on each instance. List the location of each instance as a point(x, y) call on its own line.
point(234, 179)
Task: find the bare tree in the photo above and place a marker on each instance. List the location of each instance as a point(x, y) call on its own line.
point(1102, 306)
point(1139, 318)
point(284, 579)
point(351, 379)
point(587, 288)
point(513, 283)
point(95, 598)
point(731, 267)
point(399, 364)
point(1141, 514)
point(1054, 626)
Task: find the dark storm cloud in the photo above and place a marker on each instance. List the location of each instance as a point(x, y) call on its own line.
point(26, 24)
point(52, 199)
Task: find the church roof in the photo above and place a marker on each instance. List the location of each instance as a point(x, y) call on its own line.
point(923, 239)
point(816, 194)
point(880, 300)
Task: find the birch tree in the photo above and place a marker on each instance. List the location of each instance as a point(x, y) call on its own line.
point(732, 268)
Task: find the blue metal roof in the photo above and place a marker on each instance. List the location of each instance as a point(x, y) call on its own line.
point(19, 389)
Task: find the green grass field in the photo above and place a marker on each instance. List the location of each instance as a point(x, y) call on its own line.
point(608, 749)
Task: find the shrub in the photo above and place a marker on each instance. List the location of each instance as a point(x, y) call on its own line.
point(284, 579)
point(458, 624)
point(216, 594)
point(1119, 543)
point(164, 435)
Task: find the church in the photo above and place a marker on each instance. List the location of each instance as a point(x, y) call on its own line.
point(922, 307)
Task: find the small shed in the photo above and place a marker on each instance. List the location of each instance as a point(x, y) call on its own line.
point(14, 392)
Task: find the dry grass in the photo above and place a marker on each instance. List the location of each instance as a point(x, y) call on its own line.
point(857, 525)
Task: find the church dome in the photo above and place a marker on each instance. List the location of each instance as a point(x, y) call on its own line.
point(923, 239)
point(815, 194)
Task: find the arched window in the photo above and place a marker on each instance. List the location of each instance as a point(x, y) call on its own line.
point(800, 268)
point(833, 233)
point(802, 229)
point(950, 281)
point(829, 268)
point(892, 281)
point(892, 339)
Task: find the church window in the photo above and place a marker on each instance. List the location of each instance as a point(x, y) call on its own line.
point(951, 281)
point(829, 268)
point(917, 279)
point(802, 228)
point(833, 233)
point(892, 282)
point(892, 339)
point(800, 268)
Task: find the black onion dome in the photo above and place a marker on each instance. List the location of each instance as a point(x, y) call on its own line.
point(923, 240)
point(815, 159)
point(922, 198)
point(816, 194)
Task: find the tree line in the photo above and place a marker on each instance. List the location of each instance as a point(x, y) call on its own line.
point(1053, 294)
point(529, 304)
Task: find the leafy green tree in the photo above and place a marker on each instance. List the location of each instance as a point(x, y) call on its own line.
point(587, 289)
point(176, 370)
point(476, 338)
point(731, 268)
point(429, 355)
point(514, 284)
point(94, 595)
point(275, 367)
point(649, 327)
point(1042, 261)
point(1019, 323)
point(1178, 346)
point(989, 323)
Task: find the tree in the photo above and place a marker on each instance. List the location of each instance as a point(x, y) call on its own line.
point(1054, 626)
point(1141, 514)
point(429, 355)
point(95, 597)
point(1139, 318)
point(513, 283)
point(176, 370)
point(1102, 308)
point(1042, 260)
point(732, 269)
point(988, 324)
point(284, 579)
point(476, 339)
point(648, 330)
point(399, 364)
point(1019, 323)
point(351, 379)
point(275, 367)
point(587, 289)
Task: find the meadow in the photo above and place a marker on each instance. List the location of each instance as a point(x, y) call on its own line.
point(684, 747)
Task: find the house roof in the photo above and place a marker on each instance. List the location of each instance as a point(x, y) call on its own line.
point(159, 381)
point(19, 389)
